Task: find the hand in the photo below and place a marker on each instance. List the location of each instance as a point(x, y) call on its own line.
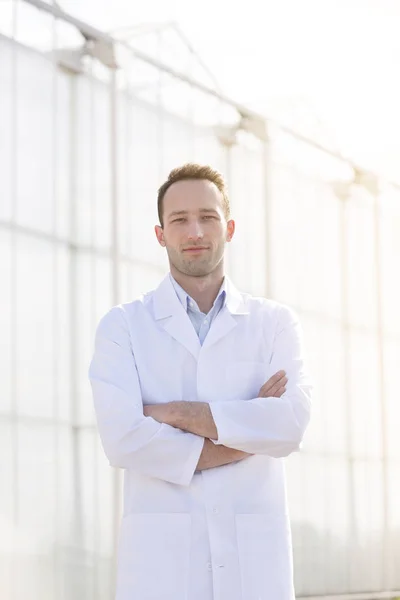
point(275, 386)
point(159, 412)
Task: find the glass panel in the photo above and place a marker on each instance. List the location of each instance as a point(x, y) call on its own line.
point(6, 23)
point(320, 513)
point(314, 440)
point(367, 552)
point(105, 501)
point(94, 299)
point(391, 386)
point(36, 488)
point(69, 513)
point(329, 273)
point(35, 143)
point(309, 528)
point(93, 164)
point(102, 157)
point(361, 267)
point(83, 166)
point(124, 282)
point(63, 333)
point(88, 485)
point(64, 188)
point(247, 252)
point(314, 281)
point(6, 308)
point(207, 150)
point(7, 104)
point(333, 389)
point(125, 166)
point(394, 526)
point(338, 539)
point(144, 183)
point(315, 247)
point(284, 229)
point(365, 398)
point(143, 279)
point(7, 478)
point(85, 327)
point(71, 562)
point(390, 261)
point(35, 322)
point(177, 142)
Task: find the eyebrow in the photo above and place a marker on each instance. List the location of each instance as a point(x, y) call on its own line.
point(185, 212)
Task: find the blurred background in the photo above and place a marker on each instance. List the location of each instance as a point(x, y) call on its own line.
point(297, 104)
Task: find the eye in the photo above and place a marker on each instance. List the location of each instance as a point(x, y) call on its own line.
point(208, 217)
point(180, 220)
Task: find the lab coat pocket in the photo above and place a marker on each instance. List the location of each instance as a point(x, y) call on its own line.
point(245, 379)
point(153, 557)
point(265, 557)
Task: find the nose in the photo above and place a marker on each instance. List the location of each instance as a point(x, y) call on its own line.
point(195, 231)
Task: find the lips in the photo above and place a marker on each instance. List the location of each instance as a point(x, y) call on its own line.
point(195, 249)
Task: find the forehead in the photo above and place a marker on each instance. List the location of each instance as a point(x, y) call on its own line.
point(192, 194)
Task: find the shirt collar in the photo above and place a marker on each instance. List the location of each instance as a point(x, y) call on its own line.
point(185, 299)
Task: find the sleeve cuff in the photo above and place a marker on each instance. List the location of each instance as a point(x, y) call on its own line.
point(192, 460)
point(218, 419)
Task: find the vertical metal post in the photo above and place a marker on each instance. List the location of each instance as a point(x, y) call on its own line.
point(115, 256)
point(55, 322)
point(73, 312)
point(160, 115)
point(344, 198)
point(228, 178)
point(13, 289)
point(94, 584)
point(382, 387)
point(267, 168)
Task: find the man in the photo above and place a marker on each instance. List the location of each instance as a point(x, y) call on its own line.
point(178, 379)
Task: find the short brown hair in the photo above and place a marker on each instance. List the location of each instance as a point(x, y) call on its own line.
point(193, 171)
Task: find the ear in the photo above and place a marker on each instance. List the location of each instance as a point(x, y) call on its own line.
point(160, 235)
point(230, 230)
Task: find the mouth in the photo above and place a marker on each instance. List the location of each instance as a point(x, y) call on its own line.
point(195, 250)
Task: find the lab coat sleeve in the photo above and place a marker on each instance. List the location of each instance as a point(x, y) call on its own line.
point(131, 440)
point(271, 426)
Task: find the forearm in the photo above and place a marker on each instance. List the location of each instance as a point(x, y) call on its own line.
point(193, 417)
point(216, 456)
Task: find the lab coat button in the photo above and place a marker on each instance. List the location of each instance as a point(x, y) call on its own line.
point(215, 510)
point(209, 566)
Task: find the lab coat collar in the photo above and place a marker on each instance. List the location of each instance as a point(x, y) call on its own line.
point(168, 310)
point(166, 302)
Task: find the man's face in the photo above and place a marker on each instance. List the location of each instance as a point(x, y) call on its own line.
point(195, 227)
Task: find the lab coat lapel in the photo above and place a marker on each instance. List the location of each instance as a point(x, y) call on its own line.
point(172, 317)
point(226, 320)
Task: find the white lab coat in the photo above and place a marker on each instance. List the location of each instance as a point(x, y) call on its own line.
point(222, 534)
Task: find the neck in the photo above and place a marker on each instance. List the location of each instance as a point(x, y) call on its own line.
point(203, 290)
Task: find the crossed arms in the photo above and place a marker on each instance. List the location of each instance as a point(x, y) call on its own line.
point(173, 440)
point(197, 418)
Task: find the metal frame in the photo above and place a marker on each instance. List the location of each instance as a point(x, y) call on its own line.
point(247, 120)
point(394, 595)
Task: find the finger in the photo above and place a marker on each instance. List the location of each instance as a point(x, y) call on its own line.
point(275, 378)
point(277, 393)
point(280, 392)
point(270, 390)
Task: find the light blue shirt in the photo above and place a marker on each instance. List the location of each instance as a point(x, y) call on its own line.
point(201, 322)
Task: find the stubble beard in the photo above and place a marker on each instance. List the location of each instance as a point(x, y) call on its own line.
point(195, 267)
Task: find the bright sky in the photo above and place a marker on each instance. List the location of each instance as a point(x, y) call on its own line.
point(327, 65)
